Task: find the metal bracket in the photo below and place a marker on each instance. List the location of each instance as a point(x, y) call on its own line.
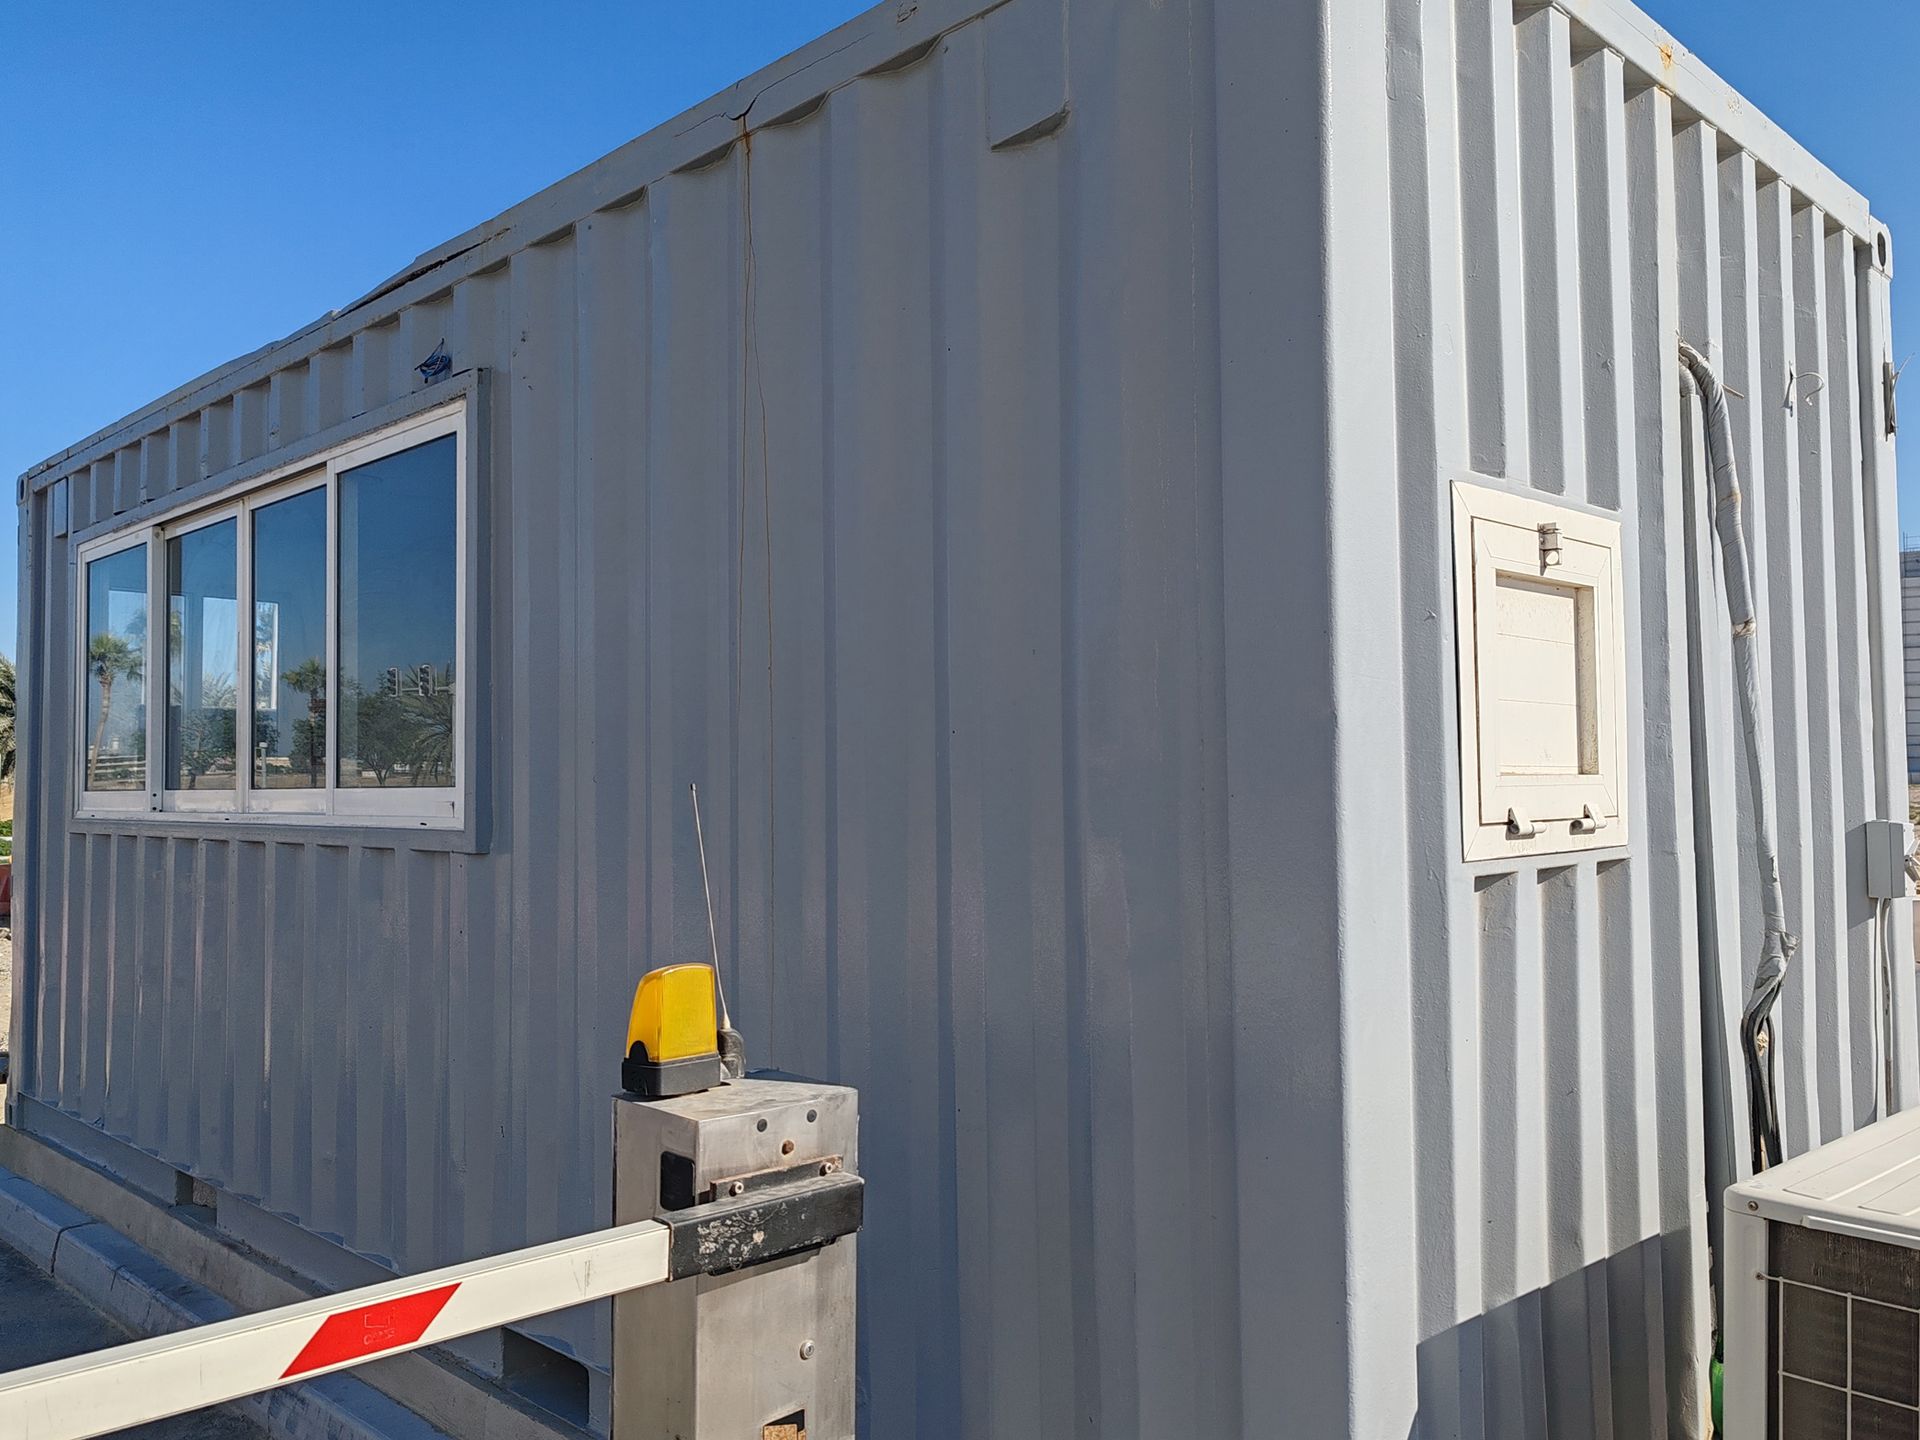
point(1890, 381)
point(732, 1233)
point(735, 1185)
point(1549, 545)
point(1588, 823)
point(1519, 827)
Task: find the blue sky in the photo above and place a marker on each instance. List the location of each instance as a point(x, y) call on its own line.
point(181, 183)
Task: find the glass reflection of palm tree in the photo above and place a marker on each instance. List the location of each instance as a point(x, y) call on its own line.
point(430, 755)
point(109, 658)
point(309, 677)
point(206, 735)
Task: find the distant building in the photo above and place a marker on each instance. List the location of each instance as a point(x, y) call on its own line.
point(1910, 628)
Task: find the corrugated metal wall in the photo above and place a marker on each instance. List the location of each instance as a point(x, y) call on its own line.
point(832, 474)
point(1559, 1047)
point(884, 472)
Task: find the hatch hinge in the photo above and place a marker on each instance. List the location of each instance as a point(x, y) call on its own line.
point(1589, 823)
point(1519, 827)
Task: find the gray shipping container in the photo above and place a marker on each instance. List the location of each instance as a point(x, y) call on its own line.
point(1006, 454)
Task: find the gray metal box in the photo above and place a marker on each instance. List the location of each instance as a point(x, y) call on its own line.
point(721, 1357)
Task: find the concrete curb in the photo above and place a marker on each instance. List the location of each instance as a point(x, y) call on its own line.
point(32, 1220)
point(124, 1281)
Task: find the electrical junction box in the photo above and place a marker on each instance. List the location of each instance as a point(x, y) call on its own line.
point(1541, 648)
point(1887, 843)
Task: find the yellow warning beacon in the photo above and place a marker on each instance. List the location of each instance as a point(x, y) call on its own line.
point(673, 1035)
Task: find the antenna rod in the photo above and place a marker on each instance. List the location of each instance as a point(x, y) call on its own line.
point(713, 934)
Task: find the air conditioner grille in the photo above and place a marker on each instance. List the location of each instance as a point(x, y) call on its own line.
point(1843, 1337)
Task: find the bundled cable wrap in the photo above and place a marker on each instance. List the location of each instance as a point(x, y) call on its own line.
point(1777, 944)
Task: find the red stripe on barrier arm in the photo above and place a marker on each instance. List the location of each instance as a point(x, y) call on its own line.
point(356, 1334)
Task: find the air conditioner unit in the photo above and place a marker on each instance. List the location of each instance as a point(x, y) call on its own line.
point(1822, 1278)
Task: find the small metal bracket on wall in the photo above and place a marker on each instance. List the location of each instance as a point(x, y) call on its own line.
point(1549, 546)
point(1793, 386)
point(1890, 382)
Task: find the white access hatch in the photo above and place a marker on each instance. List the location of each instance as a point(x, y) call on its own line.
point(1542, 673)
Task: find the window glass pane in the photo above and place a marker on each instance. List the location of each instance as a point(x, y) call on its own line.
point(203, 669)
point(290, 643)
point(397, 619)
point(116, 737)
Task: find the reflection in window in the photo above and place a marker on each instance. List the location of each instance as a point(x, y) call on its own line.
point(290, 643)
point(116, 667)
point(203, 669)
point(397, 543)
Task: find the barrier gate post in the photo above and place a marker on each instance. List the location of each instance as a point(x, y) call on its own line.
point(765, 1353)
point(730, 1265)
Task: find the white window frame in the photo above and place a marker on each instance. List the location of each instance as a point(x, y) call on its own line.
point(110, 802)
point(437, 807)
point(379, 804)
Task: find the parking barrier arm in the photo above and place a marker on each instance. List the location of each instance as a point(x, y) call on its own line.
point(98, 1393)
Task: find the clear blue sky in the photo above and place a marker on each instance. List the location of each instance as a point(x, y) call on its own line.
point(181, 183)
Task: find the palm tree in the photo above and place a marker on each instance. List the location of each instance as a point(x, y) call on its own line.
point(109, 656)
point(6, 720)
point(309, 677)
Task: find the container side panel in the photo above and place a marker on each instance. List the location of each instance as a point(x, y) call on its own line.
point(1032, 530)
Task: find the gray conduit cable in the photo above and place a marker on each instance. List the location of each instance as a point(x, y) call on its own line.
point(1777, 944)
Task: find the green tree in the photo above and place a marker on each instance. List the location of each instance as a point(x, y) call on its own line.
point(110, 658)
point(382, 734)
